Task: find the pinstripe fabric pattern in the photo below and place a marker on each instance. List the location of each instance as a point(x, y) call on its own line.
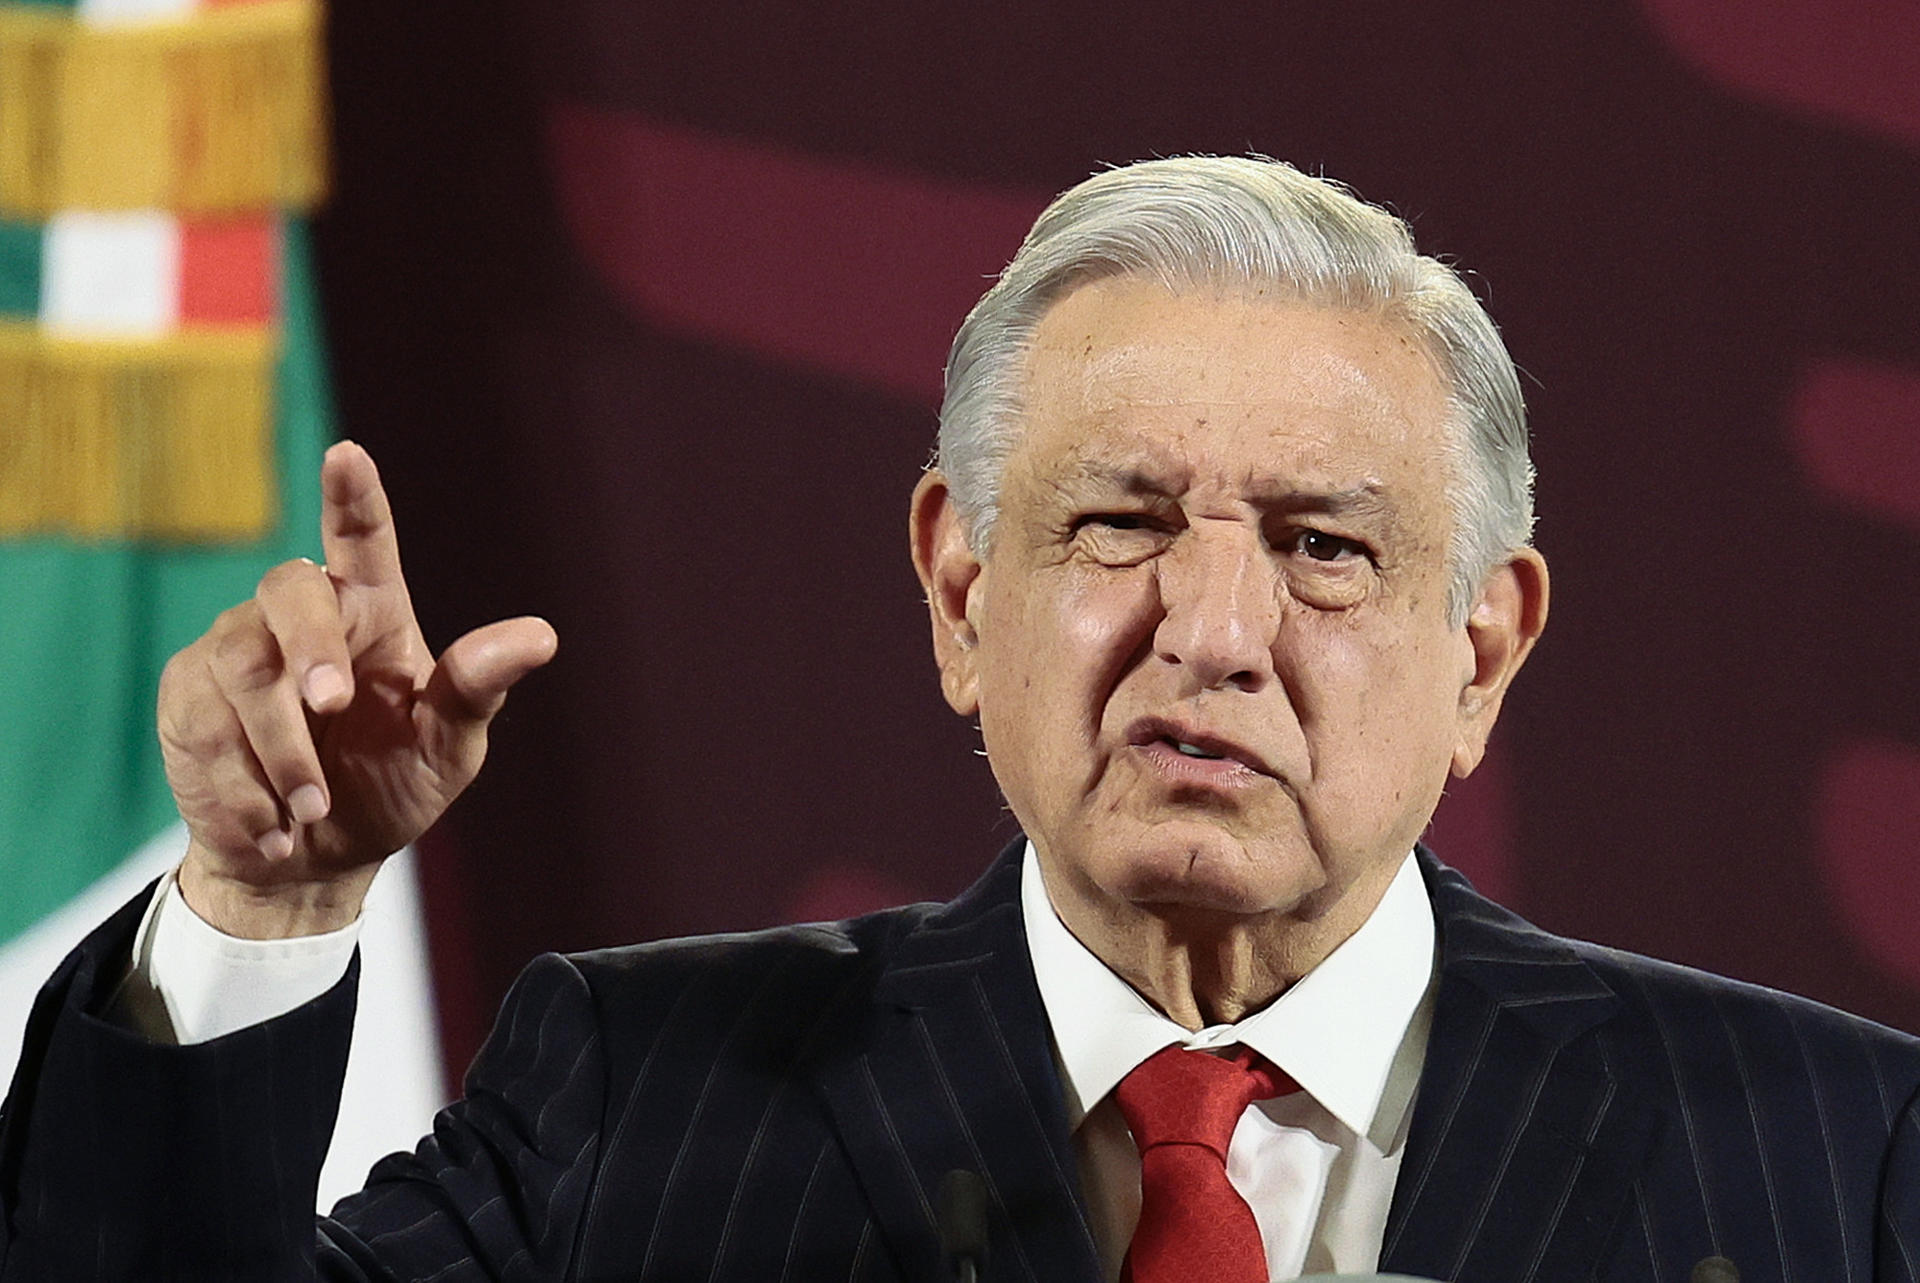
point(1586, 1114)
point(782, 1105)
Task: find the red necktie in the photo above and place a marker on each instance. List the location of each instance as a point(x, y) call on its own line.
point(1182, 1107)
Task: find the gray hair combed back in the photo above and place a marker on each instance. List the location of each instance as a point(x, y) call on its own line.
point(1214, 222)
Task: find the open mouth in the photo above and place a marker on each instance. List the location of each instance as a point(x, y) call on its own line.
point(1190, 743)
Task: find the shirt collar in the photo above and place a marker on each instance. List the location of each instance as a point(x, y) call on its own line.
point(1352, 1032)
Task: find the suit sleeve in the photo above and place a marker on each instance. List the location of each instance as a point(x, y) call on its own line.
point(1897, 1237)
point(122, 1158)
point(498, 1190)
point(126, 1159)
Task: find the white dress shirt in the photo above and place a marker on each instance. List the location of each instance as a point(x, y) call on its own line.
point(1317, 1167)
point(192, 983)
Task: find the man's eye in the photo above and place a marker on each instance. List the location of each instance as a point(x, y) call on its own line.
point(1115, 520)
point(1318, 545)
point(1119, 538)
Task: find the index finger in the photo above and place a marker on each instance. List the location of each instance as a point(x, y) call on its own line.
point(356, 524)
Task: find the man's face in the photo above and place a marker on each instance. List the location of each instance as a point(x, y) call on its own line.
point(1208, 643)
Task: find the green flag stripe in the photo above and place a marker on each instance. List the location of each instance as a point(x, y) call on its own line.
point(85, 630)
point(19, 269)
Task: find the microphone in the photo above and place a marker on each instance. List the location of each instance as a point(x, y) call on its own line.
point(1715, 1269)
point(960, 1209)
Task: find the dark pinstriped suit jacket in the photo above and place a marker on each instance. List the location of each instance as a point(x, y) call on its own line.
point(780, 1106)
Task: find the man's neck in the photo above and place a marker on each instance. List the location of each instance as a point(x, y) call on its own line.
point(1202, 967)
point(1351, 1031)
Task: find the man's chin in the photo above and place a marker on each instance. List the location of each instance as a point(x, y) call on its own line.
point(1210, 876)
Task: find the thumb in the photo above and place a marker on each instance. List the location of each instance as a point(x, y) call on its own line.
point(469, 685)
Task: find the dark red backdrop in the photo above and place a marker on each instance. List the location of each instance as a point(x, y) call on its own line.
point(641, 307)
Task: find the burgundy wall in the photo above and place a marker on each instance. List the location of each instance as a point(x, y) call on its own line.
point(641, 307)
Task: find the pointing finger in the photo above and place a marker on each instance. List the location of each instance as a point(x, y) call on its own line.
point(356, 523)
point(302, 611)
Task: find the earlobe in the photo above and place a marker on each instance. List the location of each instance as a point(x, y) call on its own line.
point(953, 578)
point(1506, 620)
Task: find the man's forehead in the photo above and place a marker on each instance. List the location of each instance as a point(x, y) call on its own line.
point(1174, 368)
point(1129, 340)
point(1129, 356)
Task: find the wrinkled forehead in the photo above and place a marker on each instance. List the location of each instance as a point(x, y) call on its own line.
point(1230, 294)
point(1126, 377)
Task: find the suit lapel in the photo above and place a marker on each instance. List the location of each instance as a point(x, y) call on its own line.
point(955, 1071)
point(1522, 1156)
point(1524, 1147)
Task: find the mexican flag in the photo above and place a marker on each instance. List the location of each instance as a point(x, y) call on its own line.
point(163, 409)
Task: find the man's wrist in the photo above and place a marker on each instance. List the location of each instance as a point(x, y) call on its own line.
point(279, 912)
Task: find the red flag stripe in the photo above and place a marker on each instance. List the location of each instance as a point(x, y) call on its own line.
point(228, 271)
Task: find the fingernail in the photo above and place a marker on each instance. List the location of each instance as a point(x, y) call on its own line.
point(276, 844)
point(308, 804)
point(324, 684)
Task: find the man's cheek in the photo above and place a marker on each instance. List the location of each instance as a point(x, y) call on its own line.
point(1374, 651)
point(1365, 701)
point(1104, 618)
point(1329, 666)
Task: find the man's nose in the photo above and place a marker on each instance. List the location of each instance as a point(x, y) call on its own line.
point(1221, 608)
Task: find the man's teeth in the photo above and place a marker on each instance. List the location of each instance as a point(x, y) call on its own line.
point(1192, 751)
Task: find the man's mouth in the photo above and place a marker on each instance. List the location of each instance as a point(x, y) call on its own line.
point(1191, 743)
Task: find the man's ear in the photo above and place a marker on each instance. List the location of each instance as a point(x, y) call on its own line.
point(952, 577)
point(1506, 619)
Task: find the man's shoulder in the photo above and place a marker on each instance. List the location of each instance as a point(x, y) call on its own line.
point(736, 999)
point(808, 952)
point(817, 984)
point(1658, 989)
point(983, 915)
point(1690, 1021)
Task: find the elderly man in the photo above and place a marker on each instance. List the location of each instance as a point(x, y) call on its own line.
point(1227, 549)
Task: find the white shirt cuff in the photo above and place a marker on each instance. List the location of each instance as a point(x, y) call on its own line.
point(192, 983)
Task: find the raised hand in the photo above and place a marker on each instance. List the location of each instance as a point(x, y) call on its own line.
point(310, 733)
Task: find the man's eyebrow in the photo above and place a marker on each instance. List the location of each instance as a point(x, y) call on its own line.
point(1131, 478)
point(1369, 498)
point(1362, 500)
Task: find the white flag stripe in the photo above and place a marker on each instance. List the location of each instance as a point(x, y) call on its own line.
point(108, 12)
point(110, 274)
point(394, 1079)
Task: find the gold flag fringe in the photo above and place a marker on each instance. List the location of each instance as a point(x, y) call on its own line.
point(168, 438)
point(220, 111)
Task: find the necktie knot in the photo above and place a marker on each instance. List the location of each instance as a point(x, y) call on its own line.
point(1181, 1097)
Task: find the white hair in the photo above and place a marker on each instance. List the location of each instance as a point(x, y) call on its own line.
point(1193, 222)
